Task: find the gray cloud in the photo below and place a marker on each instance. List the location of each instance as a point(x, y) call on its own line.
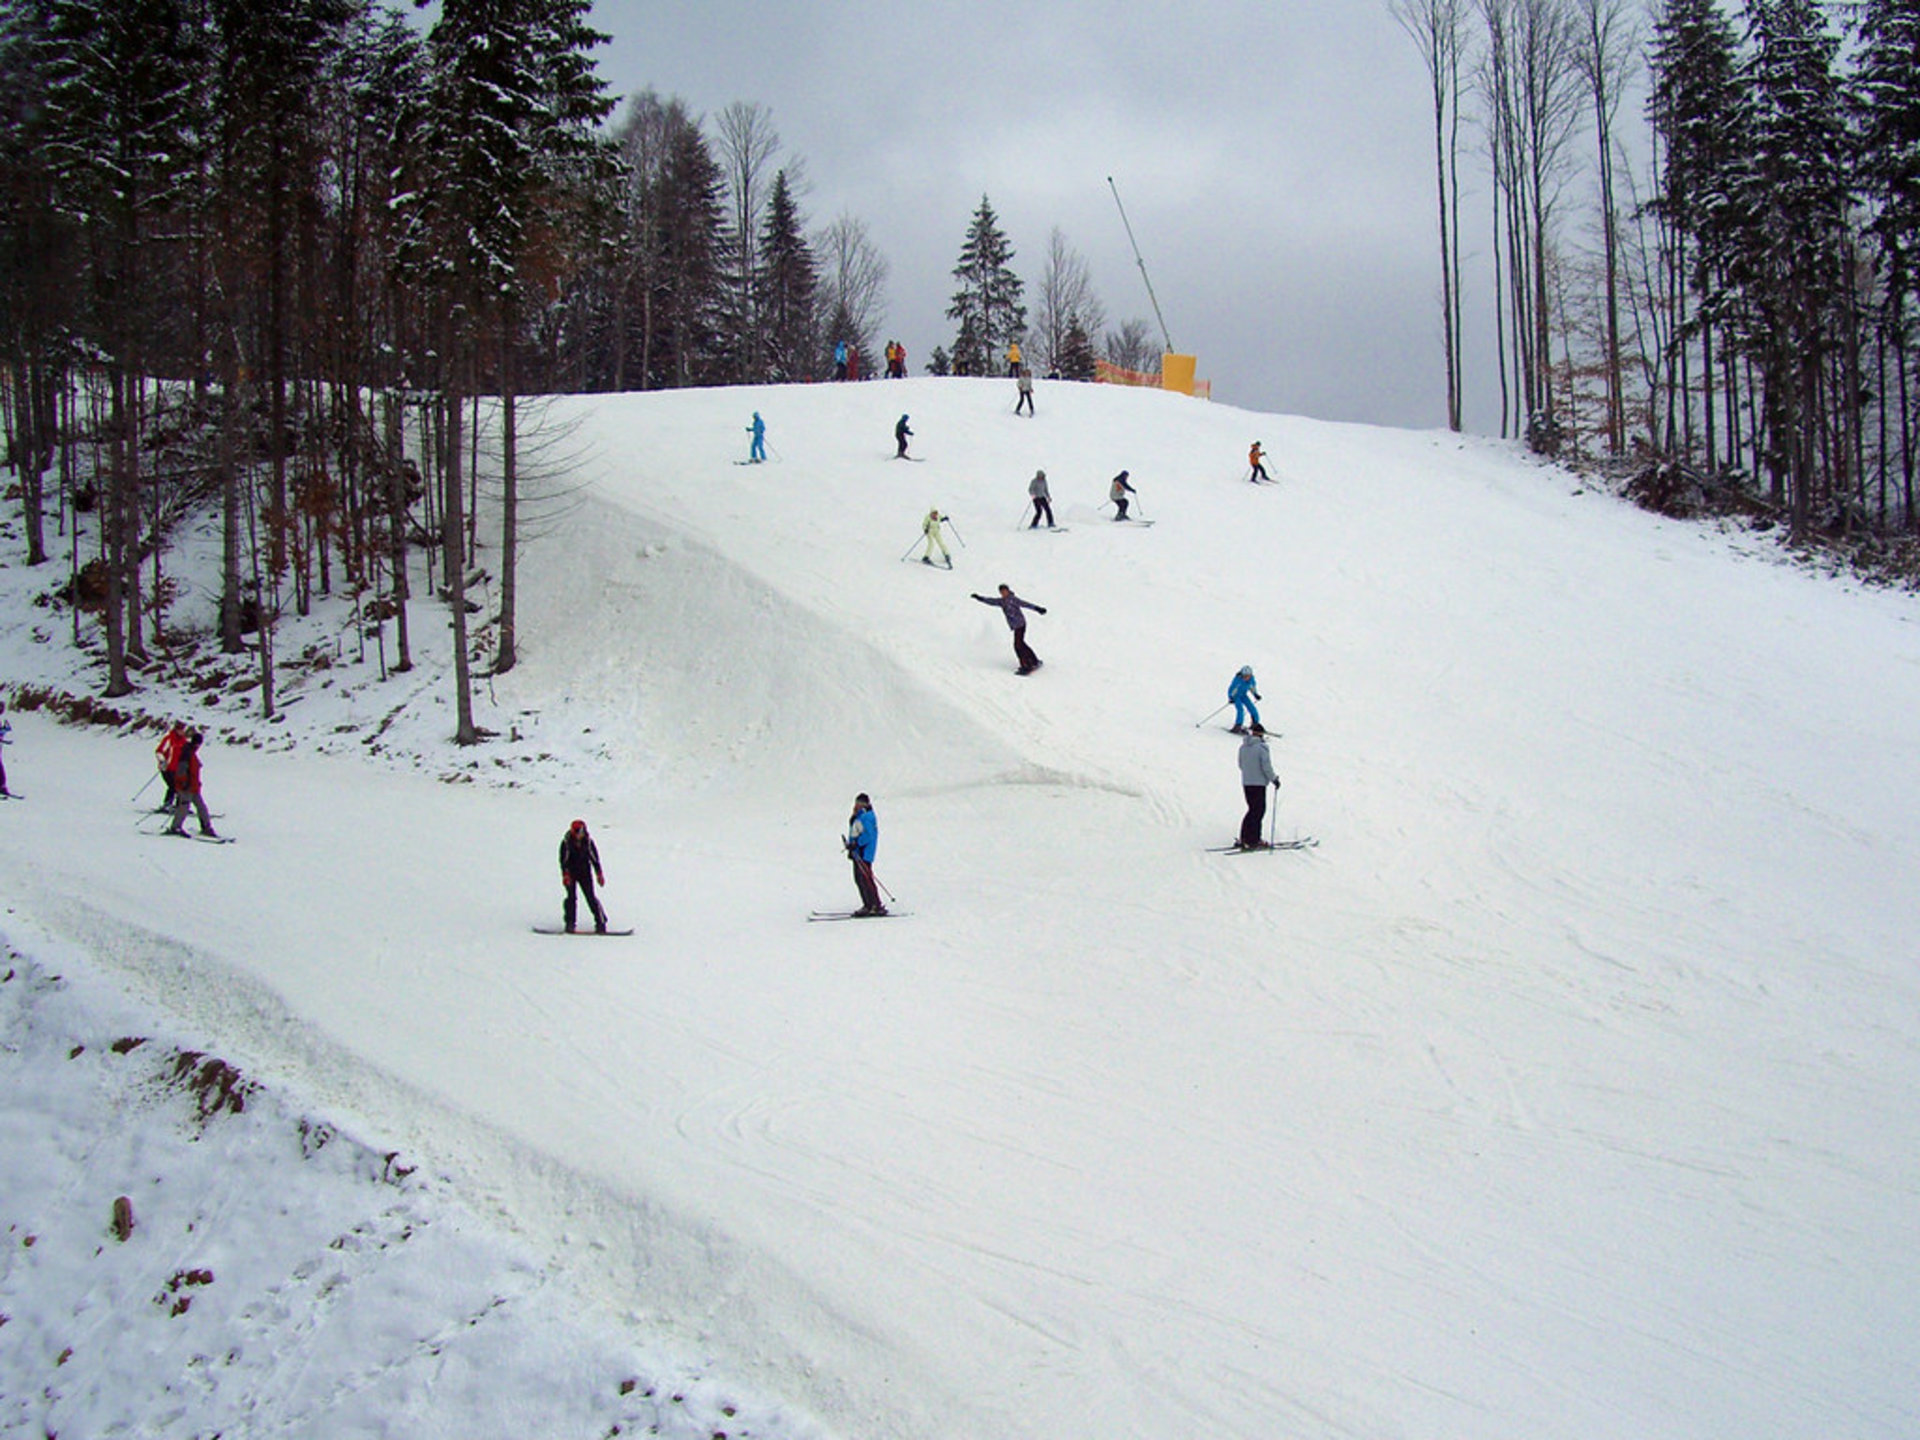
point(1273, 159)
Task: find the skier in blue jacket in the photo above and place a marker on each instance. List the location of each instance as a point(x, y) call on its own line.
point(863, 839)
point(1243, 690)
point(759, 432)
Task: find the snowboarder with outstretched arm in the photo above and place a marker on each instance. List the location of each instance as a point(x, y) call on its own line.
point(862, 840)
point(1253, 458)
point(183, 782)
point(900, 434)
point(1256, 774)
point(1042, 501)
point(1011, 606)
point(759, 432)
point(1117, 495)
point(579, 868)
point(1243, 690)
point(930, 527)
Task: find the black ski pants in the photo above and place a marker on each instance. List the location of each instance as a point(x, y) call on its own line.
point(576, 884)
point(1042, 507)
point(1256, 814)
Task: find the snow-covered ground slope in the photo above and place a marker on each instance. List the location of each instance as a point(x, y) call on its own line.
point(1570, 1087)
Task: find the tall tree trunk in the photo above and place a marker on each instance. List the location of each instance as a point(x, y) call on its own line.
point(509, 491)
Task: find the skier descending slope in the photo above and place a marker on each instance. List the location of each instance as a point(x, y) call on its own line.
point(1011, 605)
point(900, 436)
point(1242, 691)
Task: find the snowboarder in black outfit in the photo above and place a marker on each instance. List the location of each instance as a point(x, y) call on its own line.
point(579, 868)
point(1011, 605)
point(863, 839)
point(900, 434)
point(1256, 774)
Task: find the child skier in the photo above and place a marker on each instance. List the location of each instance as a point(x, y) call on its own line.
point(1243, 690)
point(1253, 459)
point(1117, 495)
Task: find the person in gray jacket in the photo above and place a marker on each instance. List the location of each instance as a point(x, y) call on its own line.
point(1042, 501)
point(1256, 774)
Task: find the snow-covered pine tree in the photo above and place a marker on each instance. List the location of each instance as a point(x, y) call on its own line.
point(786, 285)
point(987, 304)
point(1887, 91)
point(121, 144)
point(1790, 257)
point(1698, 111)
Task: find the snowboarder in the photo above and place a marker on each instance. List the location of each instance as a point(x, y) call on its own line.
point(1243, 690)
point(1025, 384)
point(862, 839)
point(1117, 495)
point(930, 527)
point(1042, 501)
point(1256, 774)
point(1011, 605)
point(1253, 459)
point(900, 434)
point(183, 781)
point(759, 432)
point(579, 868)
point(839, 359)
point(6, 739)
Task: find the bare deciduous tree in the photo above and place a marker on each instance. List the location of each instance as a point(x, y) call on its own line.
point(1065, 297)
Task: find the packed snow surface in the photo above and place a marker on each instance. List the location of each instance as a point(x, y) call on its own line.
point(1570, 1087)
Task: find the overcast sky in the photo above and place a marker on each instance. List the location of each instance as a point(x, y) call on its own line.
point(1275, 158)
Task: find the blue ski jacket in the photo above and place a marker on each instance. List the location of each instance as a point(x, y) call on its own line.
point(863, 835)
point(1241, 686)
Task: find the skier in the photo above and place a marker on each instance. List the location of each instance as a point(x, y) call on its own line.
point(6, 739)
point(184, 780)
point(580, 866)
point(900, 434)
point(1253, 459)
point(1025, 384)
point(930, 527)
point(759, 432)
point(1117, 495)
point(1011, 605)
point(1042, 501)
point(862, 839)
point(1243, 690)
point(839, 359)
point(1256, 774)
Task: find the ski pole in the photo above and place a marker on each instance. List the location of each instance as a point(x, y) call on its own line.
point(948, 520)
point(1273, 816)
point(882, 886)
point(1209, 715)
point(143, 789)
point(911, 548)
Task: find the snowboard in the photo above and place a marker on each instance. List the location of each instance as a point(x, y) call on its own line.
point(588, 930)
